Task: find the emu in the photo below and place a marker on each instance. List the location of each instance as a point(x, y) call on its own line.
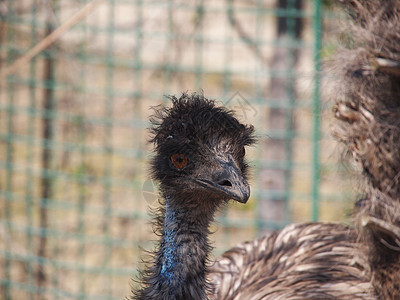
point(200, 164)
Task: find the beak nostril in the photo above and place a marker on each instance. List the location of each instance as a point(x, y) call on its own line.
point(225, 183)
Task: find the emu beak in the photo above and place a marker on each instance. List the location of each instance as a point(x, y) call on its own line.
point(228, 180)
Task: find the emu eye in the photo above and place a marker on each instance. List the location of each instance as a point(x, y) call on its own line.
point(179, 160)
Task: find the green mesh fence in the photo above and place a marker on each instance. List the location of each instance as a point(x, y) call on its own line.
point(74, 108)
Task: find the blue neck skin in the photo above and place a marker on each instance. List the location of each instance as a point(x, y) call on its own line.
point(181, 267)
point(169, 250)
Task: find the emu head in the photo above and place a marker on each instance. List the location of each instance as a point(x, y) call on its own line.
point(200, 151)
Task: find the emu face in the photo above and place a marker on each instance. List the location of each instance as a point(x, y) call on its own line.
point(200, 150)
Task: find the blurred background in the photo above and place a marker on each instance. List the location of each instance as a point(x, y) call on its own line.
point(78, 80)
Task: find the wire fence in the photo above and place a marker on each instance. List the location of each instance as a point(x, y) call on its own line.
point(78, 78)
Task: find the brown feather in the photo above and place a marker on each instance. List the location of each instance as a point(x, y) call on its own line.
point(302, 261)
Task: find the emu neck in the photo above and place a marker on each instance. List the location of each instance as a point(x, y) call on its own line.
point(181, 259)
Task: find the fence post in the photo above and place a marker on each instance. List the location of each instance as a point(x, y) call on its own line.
point(317, 24)
point(47, 153)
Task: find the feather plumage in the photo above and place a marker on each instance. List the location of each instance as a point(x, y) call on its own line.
point(302, 261)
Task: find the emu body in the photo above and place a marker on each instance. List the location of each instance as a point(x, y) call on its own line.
point(301, 261)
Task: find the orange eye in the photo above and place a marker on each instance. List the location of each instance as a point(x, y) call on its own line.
point(179, 160)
